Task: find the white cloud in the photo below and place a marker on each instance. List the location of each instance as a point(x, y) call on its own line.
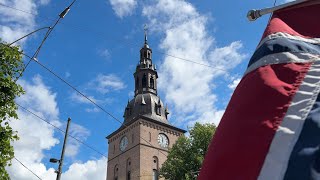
point(94, 169)
point(39, 96)
point(15, 24)
point(105, 83)
point(227, 57)
point(234, 83)
point(105, 53)
point(81, 134)
point(44, 2)
point(37, 136)
point(189, 86)
point(92, 110)
point(80, 99)
point(123, 8)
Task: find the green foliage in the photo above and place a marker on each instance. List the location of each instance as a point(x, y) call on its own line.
point(11, 66)
point(186, 156)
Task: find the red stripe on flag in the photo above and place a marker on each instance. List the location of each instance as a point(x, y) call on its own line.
point(298, 21)
point(252, 117)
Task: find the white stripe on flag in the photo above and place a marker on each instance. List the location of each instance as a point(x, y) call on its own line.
point(284, 57)
point(289, 36)
point(277, 159)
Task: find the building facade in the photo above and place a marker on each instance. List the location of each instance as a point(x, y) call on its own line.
point(139, 147)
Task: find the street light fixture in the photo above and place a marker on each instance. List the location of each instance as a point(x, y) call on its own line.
point(53, 160)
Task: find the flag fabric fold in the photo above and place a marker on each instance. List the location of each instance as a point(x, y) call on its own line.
point(271, 127)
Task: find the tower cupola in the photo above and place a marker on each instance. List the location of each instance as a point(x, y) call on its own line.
point(146, 74)
point(146, 101)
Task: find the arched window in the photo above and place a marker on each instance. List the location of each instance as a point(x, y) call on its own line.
point(144, 81)
point(128, 169)
point(149, 55)
point(145, 54)
point(155, 167)
point(152, 83)
point(158, 109)
point(155, 163)
point(116, 170)
point(132, 136)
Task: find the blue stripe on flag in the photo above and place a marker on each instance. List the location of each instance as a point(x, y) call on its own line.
point(304, 162)
point(280, 45)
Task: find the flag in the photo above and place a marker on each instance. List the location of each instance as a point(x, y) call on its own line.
point(271, 127)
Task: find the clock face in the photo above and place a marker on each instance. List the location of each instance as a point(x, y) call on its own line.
point(123, 143)
point(163, 140)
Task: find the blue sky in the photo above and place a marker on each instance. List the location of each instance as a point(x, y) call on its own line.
point(96, 48)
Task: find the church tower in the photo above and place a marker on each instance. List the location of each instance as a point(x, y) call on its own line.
point(139, 147)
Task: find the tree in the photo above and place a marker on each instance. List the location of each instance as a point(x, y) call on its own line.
point(185, 158)
point(11, 66)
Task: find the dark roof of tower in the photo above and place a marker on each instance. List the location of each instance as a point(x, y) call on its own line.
point(148, 105)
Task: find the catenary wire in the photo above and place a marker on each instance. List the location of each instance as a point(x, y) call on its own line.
point(86, 97)
point(78, 140)
point(83, 95)
point(176, 57)
point(27, 168)
point(87, 29)
point(50, 29)
point(90, 100)
point(27, 12)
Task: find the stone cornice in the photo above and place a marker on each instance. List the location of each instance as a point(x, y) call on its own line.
point(144, 119)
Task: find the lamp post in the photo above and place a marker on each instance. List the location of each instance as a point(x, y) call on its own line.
point(60, 161)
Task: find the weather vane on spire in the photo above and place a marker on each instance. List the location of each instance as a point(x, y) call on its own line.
point(145, 28)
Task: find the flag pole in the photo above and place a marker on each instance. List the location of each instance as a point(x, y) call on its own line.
point(255, 14)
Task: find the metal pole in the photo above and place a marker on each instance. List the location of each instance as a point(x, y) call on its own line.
point(62, 153)
point(255, 14)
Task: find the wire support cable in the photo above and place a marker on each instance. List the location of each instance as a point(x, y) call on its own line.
point(50, 29)
point(27, 168)
point(48, 122)
point(130, 44)
point(89, 99)
point(86, 97)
